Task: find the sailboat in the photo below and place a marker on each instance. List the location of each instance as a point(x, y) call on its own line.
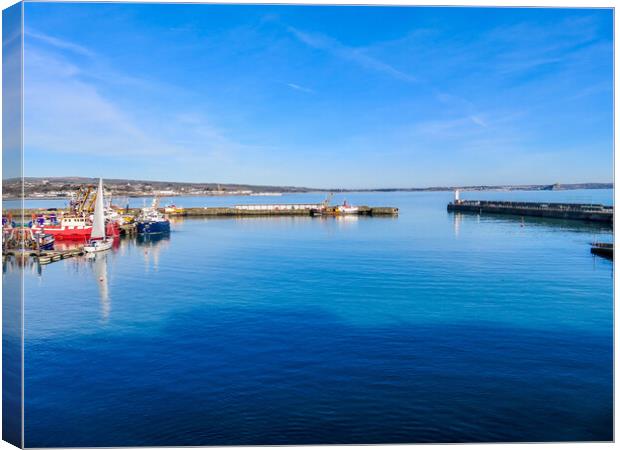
point(98, 241)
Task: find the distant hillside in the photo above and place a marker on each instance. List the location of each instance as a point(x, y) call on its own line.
point(507, 187)
point(75, 181)
point(63, 186)
point(60, 187)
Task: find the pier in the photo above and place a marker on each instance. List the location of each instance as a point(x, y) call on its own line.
point(305, 209)
point(44, 257)
point(567, 211)
point(238, 211)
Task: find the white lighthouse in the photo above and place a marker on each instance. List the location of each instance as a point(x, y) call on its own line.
point(457, 197)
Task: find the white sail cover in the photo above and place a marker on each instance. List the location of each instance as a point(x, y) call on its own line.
point(99, 219)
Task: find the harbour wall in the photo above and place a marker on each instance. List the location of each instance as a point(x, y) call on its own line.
point(566, 211)
point(241, 212)
point(232, 212)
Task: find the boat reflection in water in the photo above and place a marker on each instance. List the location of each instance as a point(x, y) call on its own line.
point(15, 265)
point(346, 220)
point(152, 244)
point(99, 262)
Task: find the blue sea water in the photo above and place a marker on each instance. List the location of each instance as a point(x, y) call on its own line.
point(428, 327)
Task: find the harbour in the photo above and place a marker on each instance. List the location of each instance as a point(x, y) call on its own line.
point(287, 308)
point(90, 223)
point(129, 222)
point(305, 225)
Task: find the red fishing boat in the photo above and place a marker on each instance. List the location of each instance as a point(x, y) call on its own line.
point(72, 228)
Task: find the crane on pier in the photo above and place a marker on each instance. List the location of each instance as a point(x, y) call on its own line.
point(325, 203)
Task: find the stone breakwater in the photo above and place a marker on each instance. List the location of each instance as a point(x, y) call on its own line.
point(566, 211)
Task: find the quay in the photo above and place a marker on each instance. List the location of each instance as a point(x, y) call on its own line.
point(290, 209)
point(568, 211)
point(304, 209)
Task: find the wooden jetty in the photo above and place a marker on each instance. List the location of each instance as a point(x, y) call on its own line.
point(44, 257)
point(568, 211)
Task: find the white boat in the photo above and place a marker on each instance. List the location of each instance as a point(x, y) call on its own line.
point(345, 208)
point(98, 241)
point(98, 245)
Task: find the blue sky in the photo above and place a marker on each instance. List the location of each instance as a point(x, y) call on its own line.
point(319, 96)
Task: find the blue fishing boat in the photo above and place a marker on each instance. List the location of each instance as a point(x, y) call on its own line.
point(151, 221)
point(44, 241)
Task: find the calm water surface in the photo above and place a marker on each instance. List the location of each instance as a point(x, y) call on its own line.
point(429, 327)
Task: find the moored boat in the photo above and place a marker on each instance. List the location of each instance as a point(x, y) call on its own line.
point(44, 241)
point(70, 227)
point(98, 245)
point(98, 241)
point(25, 238)
point(151, 221)
point(174, 209)
point(346, 208)
point(604, 249)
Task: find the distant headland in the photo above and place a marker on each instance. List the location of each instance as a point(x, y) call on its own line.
point(63, 187)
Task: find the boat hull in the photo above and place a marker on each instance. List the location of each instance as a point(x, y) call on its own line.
point(98, 246)
point(61, 233)
point(65, 233)
point(112, 229)
point(153, 227)
point(603, 249)
point(46, 242)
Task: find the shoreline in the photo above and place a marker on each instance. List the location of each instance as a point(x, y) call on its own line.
point(335, 191)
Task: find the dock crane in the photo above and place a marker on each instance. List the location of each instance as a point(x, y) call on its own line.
point(85, 200)
point(325, 203)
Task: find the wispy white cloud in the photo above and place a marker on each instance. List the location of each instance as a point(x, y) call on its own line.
point(300, 88)
point(459, 127)
point(68, 111)
point(59, 43)
point(356, 55)
point(529, 46)
point(77, 60)
point(593, 89)
point(478, 121)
